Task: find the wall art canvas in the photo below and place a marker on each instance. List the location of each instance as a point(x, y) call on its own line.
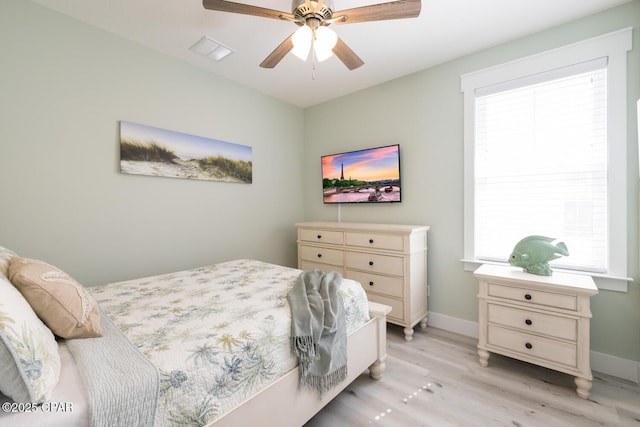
point(146, 150)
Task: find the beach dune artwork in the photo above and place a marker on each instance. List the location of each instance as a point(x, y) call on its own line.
point(146, 150)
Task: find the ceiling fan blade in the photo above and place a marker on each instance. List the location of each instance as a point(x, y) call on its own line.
point(278, 53)
point(245, 9)
point(346, 55)
point(378, 12)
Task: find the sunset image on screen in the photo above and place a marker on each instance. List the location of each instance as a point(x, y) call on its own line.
point(367, 165)
point(370, 175)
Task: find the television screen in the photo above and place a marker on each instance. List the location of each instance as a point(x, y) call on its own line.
point(364, 176)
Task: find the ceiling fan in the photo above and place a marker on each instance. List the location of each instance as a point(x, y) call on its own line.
point(313, 17)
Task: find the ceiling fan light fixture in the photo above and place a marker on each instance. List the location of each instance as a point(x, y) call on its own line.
point(322, 39)
point(325, 41)
point(301, 40)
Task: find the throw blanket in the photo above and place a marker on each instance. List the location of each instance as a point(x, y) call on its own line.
point(318, 332)
point(122, 385)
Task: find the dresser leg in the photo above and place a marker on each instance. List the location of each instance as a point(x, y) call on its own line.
point(483, 357)
point(408, 334)
point(423, 323)
point(583, 387)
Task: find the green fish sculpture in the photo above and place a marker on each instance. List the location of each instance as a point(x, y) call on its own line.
point(533, 254)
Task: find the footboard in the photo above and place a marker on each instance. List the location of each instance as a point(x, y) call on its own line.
point(283, 403)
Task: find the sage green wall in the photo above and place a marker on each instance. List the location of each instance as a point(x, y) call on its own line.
point(64, 87)
point(423, 112)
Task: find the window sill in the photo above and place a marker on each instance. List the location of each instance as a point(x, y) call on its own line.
point(603, 281)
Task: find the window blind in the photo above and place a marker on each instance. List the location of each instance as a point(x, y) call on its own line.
point(541, 164)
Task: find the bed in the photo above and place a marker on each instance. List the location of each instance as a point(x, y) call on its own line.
point(205, 346)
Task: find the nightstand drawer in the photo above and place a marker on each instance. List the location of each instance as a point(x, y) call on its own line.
point(322, 236)
point(533, 346)
point(397, 307)
point(529, 296)
point(392, 286)
point(533, 322)
point(375, 263)
point(321, 255)
point(375, 241)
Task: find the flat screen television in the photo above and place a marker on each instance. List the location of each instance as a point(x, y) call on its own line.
point(364, 176)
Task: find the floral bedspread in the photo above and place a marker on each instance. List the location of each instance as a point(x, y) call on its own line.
point(217, 334)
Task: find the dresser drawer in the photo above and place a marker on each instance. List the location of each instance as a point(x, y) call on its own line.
point(533, 322)
point(321, 255)
point(375, 241)
point(375, 263)
point(392, 286)
point(325, 268)
point(548, 299)
point(533, 346)
point(322, 236)
point(397, 307)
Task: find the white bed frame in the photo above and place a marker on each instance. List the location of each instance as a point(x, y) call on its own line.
point(284, 404)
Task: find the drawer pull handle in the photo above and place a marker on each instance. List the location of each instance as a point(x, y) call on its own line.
point(529, 345)
point(528, 322)
point(370, 262)
point(370, 240)
point(370, 283)
point(319, 236)
point(527, 296)
point(319, 255)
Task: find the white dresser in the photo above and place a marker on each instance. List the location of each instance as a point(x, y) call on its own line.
point(389, 260)
point(539, 319)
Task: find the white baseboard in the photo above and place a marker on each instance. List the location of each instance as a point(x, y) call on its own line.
point(600, 362)
point(616, 366)
point(453, 324)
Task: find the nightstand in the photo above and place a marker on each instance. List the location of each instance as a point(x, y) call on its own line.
point(538, 319)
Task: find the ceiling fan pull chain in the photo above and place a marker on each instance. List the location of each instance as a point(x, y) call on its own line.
point(313, 56)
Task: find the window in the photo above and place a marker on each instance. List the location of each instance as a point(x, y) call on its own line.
point(545, 153)
point(541, 165)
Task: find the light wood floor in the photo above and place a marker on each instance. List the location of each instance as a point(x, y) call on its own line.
point(435, 380)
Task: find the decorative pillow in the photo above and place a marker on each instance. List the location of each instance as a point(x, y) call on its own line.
point(61, 302)
point(5, 256)
point(29, 358)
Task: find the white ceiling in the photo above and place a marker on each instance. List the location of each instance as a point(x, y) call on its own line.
point(445, 29)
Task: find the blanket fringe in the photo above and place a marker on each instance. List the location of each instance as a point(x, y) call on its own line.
point(324, 383)
point(305, 350)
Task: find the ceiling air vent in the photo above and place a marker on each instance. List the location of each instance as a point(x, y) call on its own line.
point(211, 49)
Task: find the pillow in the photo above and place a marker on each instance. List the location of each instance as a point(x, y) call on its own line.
point(5, 256)
point(61, 302)
point(29, 358)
